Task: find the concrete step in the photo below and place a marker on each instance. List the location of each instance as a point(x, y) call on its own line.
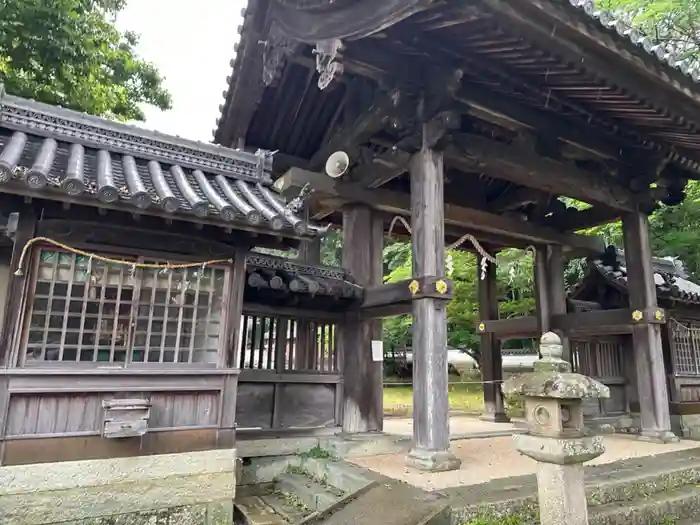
point(342, 475)
point(309, 492)
point(286, 506)
point(254, 510)
point(664, 507)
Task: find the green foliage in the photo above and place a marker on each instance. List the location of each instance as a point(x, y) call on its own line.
point(515, 280)
point(665, 21)
point(69, 53)
point(331, 248)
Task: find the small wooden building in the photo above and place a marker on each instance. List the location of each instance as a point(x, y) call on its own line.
point(134, 313)
point(608, 354)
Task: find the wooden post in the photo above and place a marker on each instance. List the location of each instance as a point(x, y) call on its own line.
point(363, 405)
point(491, 358)
point(648, 353)
point(556, 287)
point(542, 306)
point(431, 429)
point(226, 434)
point(310, 253)
point(550, 291)
point(26, 229)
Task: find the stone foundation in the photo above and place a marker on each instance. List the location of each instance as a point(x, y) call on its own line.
point(687, 427)
point(194, 488)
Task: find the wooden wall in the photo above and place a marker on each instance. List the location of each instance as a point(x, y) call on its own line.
point(290, 373)
point(605, 360)
point(54, 415)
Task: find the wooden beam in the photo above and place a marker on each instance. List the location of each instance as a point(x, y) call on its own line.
point(528, 169)
point(515, 198)
point(602, 319)
point(468, 218)
point(502, 107)
point(351, 134)
point(406, 291)
point(382, 169)
point(514, 328)
point(571, 219)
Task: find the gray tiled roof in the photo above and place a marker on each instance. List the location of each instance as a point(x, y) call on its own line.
point(670, 278)
point(58, 154)
point(664, 52)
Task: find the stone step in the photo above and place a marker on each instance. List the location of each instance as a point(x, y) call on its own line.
point(617, 482)
point(309, 492)
point(658, 508)
point(256, 511)
point(391, 503)
point(339, 474)
point(286, 506)
point(632, 484)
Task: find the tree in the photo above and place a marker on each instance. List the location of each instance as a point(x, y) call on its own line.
point(69, 53)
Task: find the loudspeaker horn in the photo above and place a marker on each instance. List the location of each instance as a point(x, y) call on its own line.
point(337, 164)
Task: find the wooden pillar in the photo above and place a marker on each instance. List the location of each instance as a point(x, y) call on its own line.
point(550, 291)
point(648, 354)
point(363, 404)
point(491, 358)
point(310, 253)
point(431, 432)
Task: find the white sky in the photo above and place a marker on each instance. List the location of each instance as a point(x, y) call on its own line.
point(191, 43)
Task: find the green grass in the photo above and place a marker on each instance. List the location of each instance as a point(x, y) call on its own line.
point(466, 398)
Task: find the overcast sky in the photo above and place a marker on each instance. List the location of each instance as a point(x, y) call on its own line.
point(191, 43)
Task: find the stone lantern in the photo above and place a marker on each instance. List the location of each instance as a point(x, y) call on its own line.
point(557, 438)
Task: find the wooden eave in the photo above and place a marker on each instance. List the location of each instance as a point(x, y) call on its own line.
point(275, 281)
point(573, 61)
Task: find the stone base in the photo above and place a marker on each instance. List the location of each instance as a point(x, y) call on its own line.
point(495, 417)
point(658, 436)
point(432, 460)
point(196, 488)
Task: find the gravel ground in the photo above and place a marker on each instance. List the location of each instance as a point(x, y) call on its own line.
point(493, 458)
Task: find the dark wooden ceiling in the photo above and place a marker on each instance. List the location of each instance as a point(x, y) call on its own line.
point(549, 81)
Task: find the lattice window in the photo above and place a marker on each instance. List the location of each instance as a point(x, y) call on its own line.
point(91, 312)
point(305, 345)
point(685, 347)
